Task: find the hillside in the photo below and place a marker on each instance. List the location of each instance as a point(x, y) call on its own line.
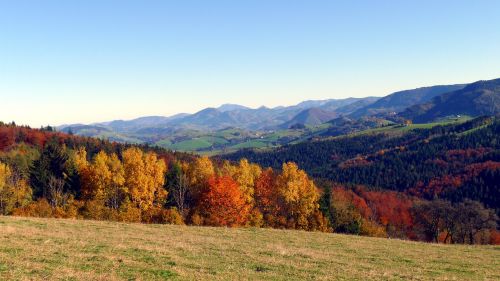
point(399, 101)
point(311, 116)
point(204, 132)
point(453, 161)
point(479, 98)
point(42, 249)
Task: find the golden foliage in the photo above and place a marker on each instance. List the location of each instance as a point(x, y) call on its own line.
point(298, 194)
point(14, 191)
point(144, 178)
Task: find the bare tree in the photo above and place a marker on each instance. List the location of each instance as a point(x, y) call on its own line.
point(471, 218)
point(431, 218)
point(179, 192)
point(55, 192)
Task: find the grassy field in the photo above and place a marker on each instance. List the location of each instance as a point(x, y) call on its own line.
point(50, 249)
point(397, 128)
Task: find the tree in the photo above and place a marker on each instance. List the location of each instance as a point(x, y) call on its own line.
point(5, 192)
point(298, 196)
point(6, 137)
point(460, 223)
point(223, 203)
point(103, 179)
point(14, 191)
point(345, 217)
point(116, 193)
point(432, 218)
point(144, 178)
point(470, 219)
point(52, 163)
point(266, 197)
point(245, 174)
point(199, 172)
point(55, 192)
point(178, 185)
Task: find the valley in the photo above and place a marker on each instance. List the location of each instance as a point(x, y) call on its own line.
point(230, 127)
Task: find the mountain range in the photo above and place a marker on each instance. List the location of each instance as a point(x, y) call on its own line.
point(312, 112)
point(333, 116)
point(479, 98)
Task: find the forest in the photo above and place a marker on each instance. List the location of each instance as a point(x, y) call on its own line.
point(436, 185)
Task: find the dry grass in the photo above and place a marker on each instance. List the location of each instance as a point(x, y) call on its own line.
point(50, 249)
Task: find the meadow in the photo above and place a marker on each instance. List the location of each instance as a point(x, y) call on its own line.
point(57, 249)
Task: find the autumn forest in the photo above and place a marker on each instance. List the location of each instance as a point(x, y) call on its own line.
point(44, 173)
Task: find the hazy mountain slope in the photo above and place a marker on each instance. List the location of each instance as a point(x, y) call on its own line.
point(231, 107)
point(311, 116)
point(351, 107)
point(479, 98)
point(399, 101)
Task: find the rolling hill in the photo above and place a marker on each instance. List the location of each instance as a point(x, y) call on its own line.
point(52, 249)
point(399, 101)
point(479, 98)
point(312, 117)
point(203, 131)
point(417, 158)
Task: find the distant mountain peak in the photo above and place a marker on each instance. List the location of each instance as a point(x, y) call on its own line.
point(231, 106)
point(311, 116)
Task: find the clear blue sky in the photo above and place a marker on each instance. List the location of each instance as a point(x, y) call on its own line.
point(85, 61)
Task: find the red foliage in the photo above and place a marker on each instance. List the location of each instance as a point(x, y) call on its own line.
point(223, 203)
point(495, 237)
point(265, 193)
point(473, 170)
point(390, 208)
point(6, 137)
point(348, 195)
point(462, 154)
point(443, 184)
point(436, 186)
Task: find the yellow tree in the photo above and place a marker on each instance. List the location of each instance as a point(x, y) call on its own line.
point(5, 191)
point(100, 177)
point(116, 192)
point(102, 180)
point(144, 177)
point(298, 196)
point(14, 191)
point(246, 175)
point(199, 172)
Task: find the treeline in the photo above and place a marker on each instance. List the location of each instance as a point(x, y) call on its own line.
point(357, 210)
point(50, 174)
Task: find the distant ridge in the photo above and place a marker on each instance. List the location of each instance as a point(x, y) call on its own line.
point(312, 116)
point(479, 98)
point(399, 101)
point(421, 105)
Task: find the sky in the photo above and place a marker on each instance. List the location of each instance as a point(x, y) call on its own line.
point(86, 61)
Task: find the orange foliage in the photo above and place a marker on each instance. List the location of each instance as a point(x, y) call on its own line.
point(223, 204)
point(266, 198)
point(495, 237)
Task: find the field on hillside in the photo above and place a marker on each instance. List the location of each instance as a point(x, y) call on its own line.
point(50, 249)
point(398, 128)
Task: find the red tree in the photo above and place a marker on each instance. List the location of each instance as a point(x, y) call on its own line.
point(223, 204)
